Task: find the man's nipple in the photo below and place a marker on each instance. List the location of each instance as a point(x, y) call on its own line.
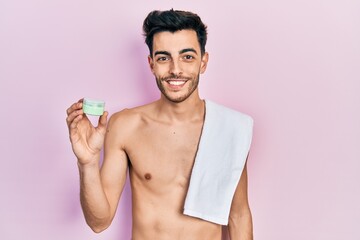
point(148, 176)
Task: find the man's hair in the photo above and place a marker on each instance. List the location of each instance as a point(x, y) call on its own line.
point(172, 21)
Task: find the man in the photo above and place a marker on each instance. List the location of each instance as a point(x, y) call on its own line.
point(157, 142)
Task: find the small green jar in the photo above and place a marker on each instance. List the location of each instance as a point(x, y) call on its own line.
point(93, 107)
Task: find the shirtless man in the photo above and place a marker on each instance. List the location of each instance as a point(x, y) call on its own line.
point(156, 142)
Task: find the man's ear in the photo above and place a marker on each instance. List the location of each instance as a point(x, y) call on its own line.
point(204, 61)
point(151, 63)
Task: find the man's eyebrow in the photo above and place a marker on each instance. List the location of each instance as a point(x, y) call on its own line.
point(188, 50)
point(162, 52)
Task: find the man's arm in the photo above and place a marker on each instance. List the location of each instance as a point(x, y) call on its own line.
point(240, 220)
point(100, 189)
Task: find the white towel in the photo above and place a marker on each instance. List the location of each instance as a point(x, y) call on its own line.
point(223, 148)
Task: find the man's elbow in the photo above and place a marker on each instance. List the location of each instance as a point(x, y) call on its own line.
point(97, 229)
point(98, 226)
point(236, 218)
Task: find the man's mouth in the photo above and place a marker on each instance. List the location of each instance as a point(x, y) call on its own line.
point(176, 82)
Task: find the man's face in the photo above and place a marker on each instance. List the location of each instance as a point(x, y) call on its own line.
point(177, 63)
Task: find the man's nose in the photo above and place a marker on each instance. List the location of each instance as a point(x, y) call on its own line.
point(175, 68)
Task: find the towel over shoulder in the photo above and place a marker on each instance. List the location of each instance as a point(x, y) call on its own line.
point(223, 148)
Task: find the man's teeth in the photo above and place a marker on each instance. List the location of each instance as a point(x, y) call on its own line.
point(177, 83)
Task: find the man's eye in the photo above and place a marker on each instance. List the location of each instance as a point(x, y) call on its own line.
point(161, 59)
point(188, 57)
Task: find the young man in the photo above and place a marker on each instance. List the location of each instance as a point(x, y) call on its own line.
point(157, 142)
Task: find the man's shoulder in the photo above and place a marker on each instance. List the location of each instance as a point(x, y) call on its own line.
point(227, 113)
point(131, 116)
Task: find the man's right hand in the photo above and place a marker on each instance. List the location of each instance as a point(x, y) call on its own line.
point(86, 140)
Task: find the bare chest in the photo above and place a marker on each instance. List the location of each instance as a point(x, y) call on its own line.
point(164, 153)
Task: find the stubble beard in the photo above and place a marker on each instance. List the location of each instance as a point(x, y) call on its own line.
point(194, 82)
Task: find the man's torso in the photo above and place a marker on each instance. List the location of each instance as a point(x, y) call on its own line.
point(161, 154)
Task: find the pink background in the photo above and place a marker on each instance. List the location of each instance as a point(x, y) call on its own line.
point(293, 65)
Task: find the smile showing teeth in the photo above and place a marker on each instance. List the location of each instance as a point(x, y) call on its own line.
point(176, 83)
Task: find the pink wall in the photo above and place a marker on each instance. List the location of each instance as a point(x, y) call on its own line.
point(293, 65)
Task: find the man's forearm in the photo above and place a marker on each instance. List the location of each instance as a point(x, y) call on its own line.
point(93, 200)
point(241, 227)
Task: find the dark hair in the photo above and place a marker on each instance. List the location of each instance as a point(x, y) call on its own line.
point(172, 21)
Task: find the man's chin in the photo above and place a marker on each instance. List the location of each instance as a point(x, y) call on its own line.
point(175, 99)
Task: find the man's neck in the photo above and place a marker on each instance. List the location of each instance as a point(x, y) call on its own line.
point(191, 109)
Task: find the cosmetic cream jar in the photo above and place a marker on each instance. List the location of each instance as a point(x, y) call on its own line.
point(93, 107)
